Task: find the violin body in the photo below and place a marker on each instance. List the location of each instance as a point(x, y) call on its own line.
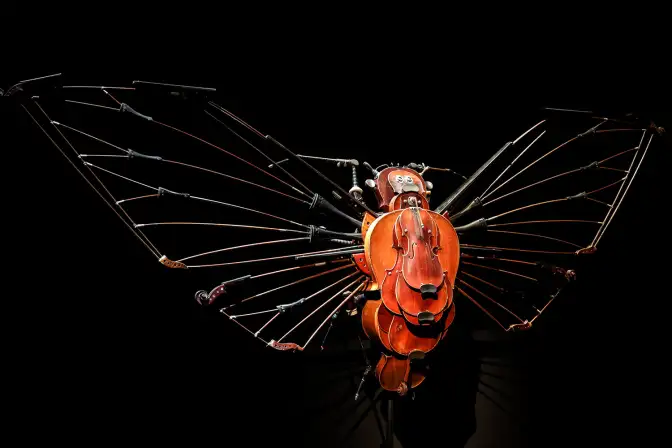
point(413, 255)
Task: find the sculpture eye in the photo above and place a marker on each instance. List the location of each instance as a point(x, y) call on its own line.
point(409, 180)
point(400, 178)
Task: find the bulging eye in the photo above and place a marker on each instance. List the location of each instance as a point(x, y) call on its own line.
point(400, 178)
point(409, 180)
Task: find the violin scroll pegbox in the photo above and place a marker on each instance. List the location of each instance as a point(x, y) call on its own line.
point(208, 298)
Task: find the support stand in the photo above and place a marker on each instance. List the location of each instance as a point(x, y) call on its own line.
point(388, 442)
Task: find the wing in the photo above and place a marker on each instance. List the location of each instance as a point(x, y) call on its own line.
point(538, 206)
point(201, 190)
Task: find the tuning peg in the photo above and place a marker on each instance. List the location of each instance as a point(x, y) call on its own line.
point(429, 185)
point(370, 183)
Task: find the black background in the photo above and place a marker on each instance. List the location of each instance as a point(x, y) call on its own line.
point(101, 343)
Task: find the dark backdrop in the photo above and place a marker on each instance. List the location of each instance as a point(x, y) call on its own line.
point(101, 343)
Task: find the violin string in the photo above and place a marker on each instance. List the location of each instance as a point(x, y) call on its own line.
point(261, 259)
point(111, 96)
point(542, 157)
point(116, 109)
point(310, 192)
point(199, 139)
point(566, 173)
point(535, 235)
point(129, 154)
point(613, 210)
point(500, 270)
point(236, 316)
point(57, 123)
point(553, 296)
point(557, 176)
point(340, 305)
point(612, 169)
point(599, 202)
point(618, 154)
point(138, 235)
point(474, 246)
point(239, 180)
point(296, 282)
point(226, 204)
point(618, 198)
point(480, 307)
point(491, 300)
point(231, 154)
point(105, 189)
point(98, 87)
point(215, 224)
point(499, 288)
point(120, 201)
point(546, 221)
point(244, 327)
point(305, 266)
point(312, 313)
point(468, 256)
point(235, 118)
point(602, 131)
point(267, 323)
point(243, 246)
point(607, 186)
point(511, 164)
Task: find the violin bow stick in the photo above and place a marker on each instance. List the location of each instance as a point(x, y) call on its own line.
point(352, 200)
point(458, 195)
point(317, 202)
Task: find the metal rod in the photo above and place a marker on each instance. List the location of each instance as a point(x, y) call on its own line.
point(296, 282)
point(535, 235)
point(511, 164)
point(342, 190)
point(500, 270)
point(244, 327)
point(238, 226)
point(105, 189)
point(98, 87)
point(305, 266)
point(544, 221)
point(137, 235)
point(532, 185)
point(473, 246)
point(310, 192)
point(267, 323)
point(231, 154)
point(480, 306)
point(125, 151)
point(536, 204)
point(243, 246)
point(499, 259)
point(256, 260)
point(323, 304)
point(620, 199)
point(618, 130)
point(236, 316)
point(137, 197)
point(492, 300)
point(499, 288)
point(340, 305)
point(616, 155)
point(237, 179)
point(537, 160)
point(116, 109)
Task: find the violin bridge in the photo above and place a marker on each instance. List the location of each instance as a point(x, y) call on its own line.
point(172, 264)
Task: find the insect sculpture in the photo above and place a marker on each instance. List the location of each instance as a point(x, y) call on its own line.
point(504, 240)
